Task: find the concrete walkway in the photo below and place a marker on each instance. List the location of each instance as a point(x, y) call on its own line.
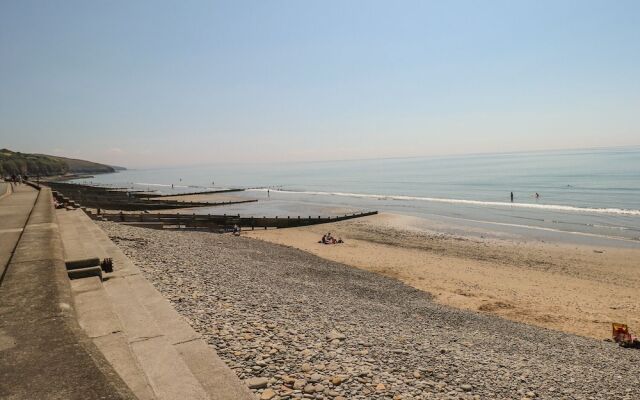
point(5, 189)
point(43, 352)
point(14, 212)
point(155, 351)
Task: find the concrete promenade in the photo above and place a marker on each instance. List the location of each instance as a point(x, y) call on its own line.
point(88, 338)
point(5, 189)
point(44, 354)
point(14, 212)
point(148, 343)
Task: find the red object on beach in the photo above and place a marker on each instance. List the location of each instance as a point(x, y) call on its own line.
point(622, 336)
point(620, 333)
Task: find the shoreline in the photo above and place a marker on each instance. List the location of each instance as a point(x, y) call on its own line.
point(579, 289)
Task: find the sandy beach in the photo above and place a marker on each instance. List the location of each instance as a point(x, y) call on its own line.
point(294, 326)
point(570, 288)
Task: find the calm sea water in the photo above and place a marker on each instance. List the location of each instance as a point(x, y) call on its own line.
point(584, 193)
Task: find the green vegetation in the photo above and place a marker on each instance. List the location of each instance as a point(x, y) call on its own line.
point(84, 167)
point(45, 165)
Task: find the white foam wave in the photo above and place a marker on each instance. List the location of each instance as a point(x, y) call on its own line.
point(546, 207)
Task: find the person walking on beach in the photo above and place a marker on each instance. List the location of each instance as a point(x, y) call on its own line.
point(512, 197)
point(268, 194)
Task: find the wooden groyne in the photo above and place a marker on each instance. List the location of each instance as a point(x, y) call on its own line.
point(221, 222)
point(117, 199)
point(144, 194)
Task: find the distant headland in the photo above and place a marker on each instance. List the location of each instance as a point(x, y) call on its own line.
point(13, 162)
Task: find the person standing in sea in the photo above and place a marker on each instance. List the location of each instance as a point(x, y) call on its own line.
point(512, 197)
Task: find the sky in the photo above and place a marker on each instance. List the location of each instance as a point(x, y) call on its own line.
point(152, 83)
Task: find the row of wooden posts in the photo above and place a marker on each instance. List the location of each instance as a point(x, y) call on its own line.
point(225, 222)
point(105, 198)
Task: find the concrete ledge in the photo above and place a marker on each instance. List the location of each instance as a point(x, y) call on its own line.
point(39, 242)
point(218, 380)
point(98, 320)
point(176, 361)
point(92, 306)
point(5, 190)
point(169, 379)
point(44, 354)
point(116, 350)
point(14, 213)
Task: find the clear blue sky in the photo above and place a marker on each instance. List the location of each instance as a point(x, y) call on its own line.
point(148, 83)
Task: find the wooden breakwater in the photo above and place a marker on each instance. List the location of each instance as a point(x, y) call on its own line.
point(110, 199)
point(221, 222)
point(144, 194)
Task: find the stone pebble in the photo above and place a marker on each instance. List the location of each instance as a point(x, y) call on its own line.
point(295, 326)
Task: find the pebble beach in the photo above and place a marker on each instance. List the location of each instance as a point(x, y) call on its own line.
point(578, 289)
point(293, 325)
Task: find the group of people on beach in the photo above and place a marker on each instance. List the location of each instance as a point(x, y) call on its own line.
point(328, 239)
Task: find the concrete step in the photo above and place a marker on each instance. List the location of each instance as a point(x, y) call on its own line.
point(165, 369)
point(162, 366)
point(175, 360)
point(95, 312)
point(214, 375)
point(100, 322)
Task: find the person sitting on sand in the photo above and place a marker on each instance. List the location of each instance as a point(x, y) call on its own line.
point(328, 239)
point(236, 230)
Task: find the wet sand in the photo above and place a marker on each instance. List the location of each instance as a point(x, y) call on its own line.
point(577, 289)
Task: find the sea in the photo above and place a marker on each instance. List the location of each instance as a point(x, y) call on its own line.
point(583, 196)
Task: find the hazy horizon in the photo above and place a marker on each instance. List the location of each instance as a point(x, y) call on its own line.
point(155, 84)
point(431, 156)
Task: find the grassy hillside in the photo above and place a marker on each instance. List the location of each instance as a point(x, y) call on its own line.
point(82, 166)
point(45, 165)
